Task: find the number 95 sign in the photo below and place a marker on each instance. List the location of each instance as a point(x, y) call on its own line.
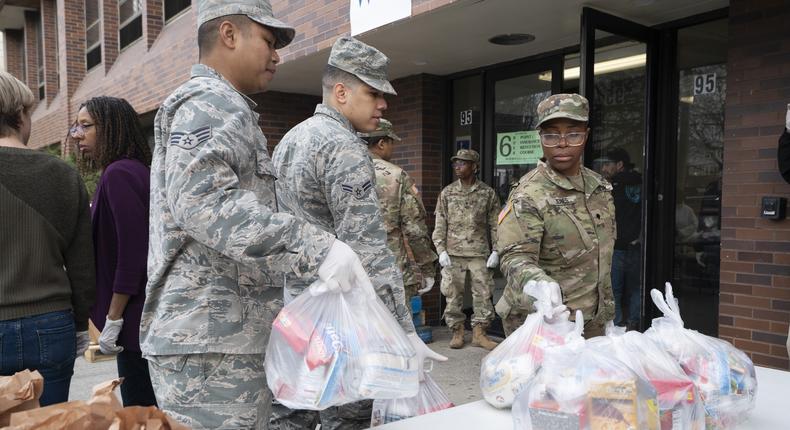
point(704, 84)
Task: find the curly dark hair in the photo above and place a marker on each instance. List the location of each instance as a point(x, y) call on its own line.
point(118, 132)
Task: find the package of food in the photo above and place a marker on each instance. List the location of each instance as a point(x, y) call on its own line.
point(429, 398)
point(506, 369)
point(724, 375)
point(579, 388)
point(680, 406)
point(336, 348)
point(19, 392)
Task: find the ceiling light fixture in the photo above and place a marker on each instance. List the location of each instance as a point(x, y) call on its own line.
point(616, 65)
point(512, 39)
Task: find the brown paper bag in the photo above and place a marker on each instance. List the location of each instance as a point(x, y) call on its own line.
point(144, 418)
point(19, 392)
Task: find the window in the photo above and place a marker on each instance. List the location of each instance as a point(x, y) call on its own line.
point(40, 58)
point(92, 34)
point(131, 19)
point(174, 7)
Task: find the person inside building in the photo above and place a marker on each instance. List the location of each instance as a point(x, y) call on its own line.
point(618, 169)
point(783, 161)
point(47, 278)
point(108, 137)
point(463, 235)
point(402, 211)
point(326, 176)
point(217, 243)
point(558, 225)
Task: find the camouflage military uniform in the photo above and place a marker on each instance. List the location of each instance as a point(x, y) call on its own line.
point(217, 247)
point(465, 223)
point(553, 230)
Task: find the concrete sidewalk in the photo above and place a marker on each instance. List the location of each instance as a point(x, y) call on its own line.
point(458, 376)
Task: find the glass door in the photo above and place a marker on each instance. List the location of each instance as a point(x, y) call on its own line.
point(616, 76)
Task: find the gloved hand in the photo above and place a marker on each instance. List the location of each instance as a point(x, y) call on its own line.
point(109, 336)
point(341, 268)
point(83, 342)
point(787, 118)
point(552, 289)
point(423, 352)
point(427, 285)
point(444, 259)
point(493, 260)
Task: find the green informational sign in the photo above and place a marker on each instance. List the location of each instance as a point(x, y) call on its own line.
point(518, 147)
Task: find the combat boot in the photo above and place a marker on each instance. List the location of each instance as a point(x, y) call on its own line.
point(480, 339)
point(457, 342)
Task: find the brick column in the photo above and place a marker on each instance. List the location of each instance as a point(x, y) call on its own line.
point(50, 45)
point(31, 53)
point(15, 53)
point(153, 20)
point(109, 25)
point(71, 52)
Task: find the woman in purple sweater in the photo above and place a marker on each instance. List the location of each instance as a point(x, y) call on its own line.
point(107, 133)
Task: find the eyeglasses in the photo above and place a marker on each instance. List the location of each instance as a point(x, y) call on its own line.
point(574, 138)
point(79, 129)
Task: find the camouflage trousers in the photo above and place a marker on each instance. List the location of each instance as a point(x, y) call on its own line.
point(411, 291)
point(513, 318)
point(213, 390)
point(482, 284)
point(352, 416)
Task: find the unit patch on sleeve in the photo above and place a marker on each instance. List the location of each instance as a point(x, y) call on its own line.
point(503, 213)
point(358, 191)
point(192, 139)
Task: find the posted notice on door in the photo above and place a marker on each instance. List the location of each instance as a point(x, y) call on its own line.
point(518, 147)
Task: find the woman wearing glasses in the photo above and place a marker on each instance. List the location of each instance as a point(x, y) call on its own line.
point(108, 136)
point(558, 227)
point(47, 275)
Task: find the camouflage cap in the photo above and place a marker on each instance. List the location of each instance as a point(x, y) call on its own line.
point(466, 154)
point(259, 11)
point(383, 130)
point(363, 61)
point(571, 106)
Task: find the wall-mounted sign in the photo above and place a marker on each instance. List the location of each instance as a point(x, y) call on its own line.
point(366, 15)
point(704, 84)
point(518, 147)
point(466, 117)
point(463, 142)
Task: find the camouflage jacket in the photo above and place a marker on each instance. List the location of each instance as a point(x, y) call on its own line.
point(550, 230)
point(216, 240)
point(327, 178)
point(404, 219)
point(466, 220)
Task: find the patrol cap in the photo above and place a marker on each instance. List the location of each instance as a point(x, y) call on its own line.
point(466, 154)
point(363, 61)
point(571, 106)
point(383, 130)
point(259, 11)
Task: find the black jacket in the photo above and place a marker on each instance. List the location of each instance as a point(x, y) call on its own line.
point(627, 194)
point(783, 155)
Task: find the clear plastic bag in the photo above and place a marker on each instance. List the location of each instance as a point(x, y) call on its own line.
point(338, 348)
point(429, 398)
point(723, 375)
point(506, 369)
point(582, 389)
point(679, 403)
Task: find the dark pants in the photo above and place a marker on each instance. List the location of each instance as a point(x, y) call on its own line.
point(47, 343)
point(625, 282)
point(136, 389)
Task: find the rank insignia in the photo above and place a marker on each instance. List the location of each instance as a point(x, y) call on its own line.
point(358, 191)
point(192, 139)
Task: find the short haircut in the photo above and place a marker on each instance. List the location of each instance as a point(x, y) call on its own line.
point(372, 140)
point(15, 98)
point(208, 33)
point(332, 75)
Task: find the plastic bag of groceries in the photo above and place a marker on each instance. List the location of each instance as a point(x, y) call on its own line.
point(723, 375)
point(506, 369)
point(583, 389)
point(429, 398)
point(679, 404)
point(336, 348)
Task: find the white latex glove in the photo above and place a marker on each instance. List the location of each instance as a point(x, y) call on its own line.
point(427, 284)
point(341, 269)
point(423, 352)
point(493, 260)
point(444, 259)
point(552, 290)
point(787, 118)
point(83, 342)
point(109, 336)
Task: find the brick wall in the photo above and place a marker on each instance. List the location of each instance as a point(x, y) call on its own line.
point(49, 21)
point(109, 25)
point(31, 51)
point(282, 111)
point(14, 53)
point(755, 268)
point(418, 116)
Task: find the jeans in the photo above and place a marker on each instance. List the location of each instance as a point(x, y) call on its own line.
point(136, 389)
point(625, 281)
point(47, 343)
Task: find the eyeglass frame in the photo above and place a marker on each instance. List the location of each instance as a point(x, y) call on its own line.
point(563, 136)
point(79, 127)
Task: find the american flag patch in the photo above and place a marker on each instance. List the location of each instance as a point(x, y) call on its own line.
point(503, 213)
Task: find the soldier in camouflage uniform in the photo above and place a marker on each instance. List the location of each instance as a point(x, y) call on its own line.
point(402, 210)
point(465, 226)
point(217, 243)
point(558, 225)
point(326, 177)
